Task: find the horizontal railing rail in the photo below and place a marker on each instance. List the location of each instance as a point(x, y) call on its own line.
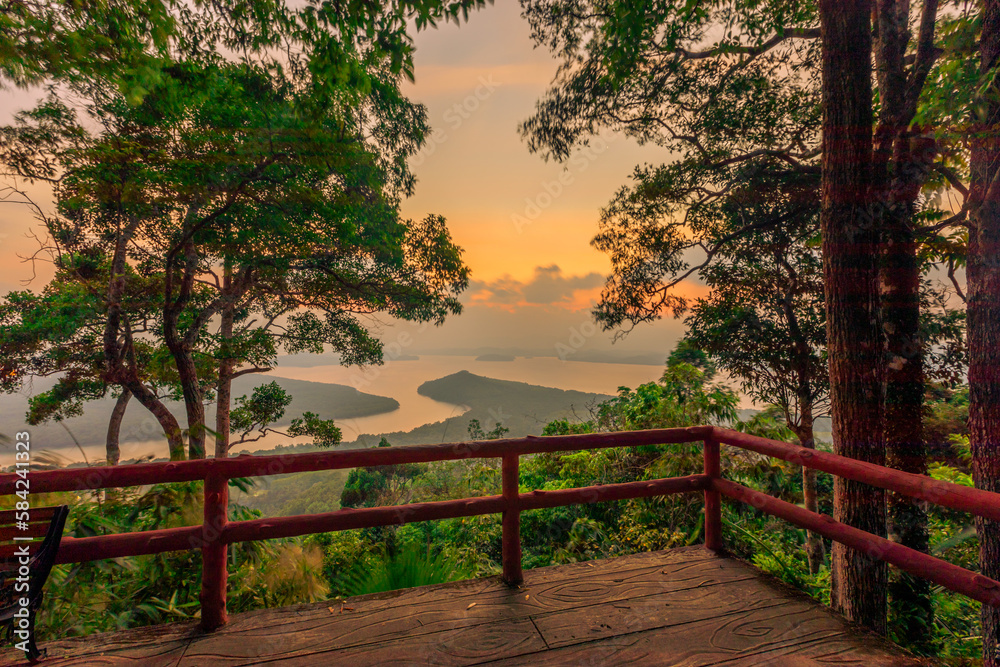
point(945, 494)
point(141, 474)
point(216, 532)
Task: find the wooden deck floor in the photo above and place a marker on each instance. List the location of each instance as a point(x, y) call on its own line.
point(677, 607)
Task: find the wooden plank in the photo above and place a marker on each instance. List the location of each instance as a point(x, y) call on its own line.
point(860, 649)
point(158, 644)
point(680, 607)
point(461, 593)
point(154, 655)
point(639, 613)
point(463, 646)
point(292, 619)
point(149, 654)
point(405, 616)
point(706, 642)
point(795, 627)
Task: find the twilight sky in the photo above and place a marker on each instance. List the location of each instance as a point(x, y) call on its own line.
point(525, 224)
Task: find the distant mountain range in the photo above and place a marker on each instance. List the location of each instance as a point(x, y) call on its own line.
point(649, 358)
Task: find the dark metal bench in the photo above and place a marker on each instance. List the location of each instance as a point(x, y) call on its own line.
point(24, 566)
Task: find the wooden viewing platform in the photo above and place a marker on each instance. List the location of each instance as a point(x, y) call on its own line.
point(683, 606)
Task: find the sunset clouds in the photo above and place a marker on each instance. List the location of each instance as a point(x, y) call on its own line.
point(547, 287)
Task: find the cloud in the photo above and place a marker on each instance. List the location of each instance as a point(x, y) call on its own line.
point(550, 286)
point(547, 287)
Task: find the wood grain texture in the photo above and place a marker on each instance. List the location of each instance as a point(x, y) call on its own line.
point(155, 646)
point(678, 607)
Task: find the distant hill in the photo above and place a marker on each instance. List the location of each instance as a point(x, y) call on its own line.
point(496, 357)
point(645, 358)
point(327, 400)
point(523, 408)
point(307, 360)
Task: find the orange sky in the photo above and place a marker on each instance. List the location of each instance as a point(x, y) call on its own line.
point(525, 224)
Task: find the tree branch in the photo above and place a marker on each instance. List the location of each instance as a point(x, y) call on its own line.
point(752, 51)
point(952, 178)
point(925, 56)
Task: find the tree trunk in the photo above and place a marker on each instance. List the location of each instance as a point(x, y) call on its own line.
point(166, 419)
point(902, 163)
point(194, 406)
point(850, 271)
point(905, 449)
point(117, 326)
point(181, 351)
point(224, 389)
point(114, 452)
point(983, 303)
point(802, 357)
point(913, 611)
point(815, 551)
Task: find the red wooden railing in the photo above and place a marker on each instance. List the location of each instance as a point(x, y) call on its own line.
point(216, 532)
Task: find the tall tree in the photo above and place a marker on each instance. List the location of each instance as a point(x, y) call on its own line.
point(853, 311)
point(244, 172)
point(983, 278)
point(764, 321)
point(903, 159)
point(725, 86)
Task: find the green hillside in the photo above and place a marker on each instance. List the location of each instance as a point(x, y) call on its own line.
point(523, 408)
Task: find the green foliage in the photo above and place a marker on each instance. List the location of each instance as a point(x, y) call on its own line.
point(300, 493)
point(264, 189)
point(364, 487)
point(682, 397)
point(945, 422)
point(565, 427)
point(768, 423)
point(264, 407)
point(323, 431)
point(764, 321)
point(476, 431)
point(413, 565)
point(101, 596)
point(379, 485)
point(687, 352)
point(130, 42)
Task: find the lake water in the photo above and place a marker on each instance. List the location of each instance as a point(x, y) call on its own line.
point(399, 379)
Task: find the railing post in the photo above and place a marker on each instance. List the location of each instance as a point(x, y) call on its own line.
point(713, 501)
point(214, 573)
point(511, 537)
